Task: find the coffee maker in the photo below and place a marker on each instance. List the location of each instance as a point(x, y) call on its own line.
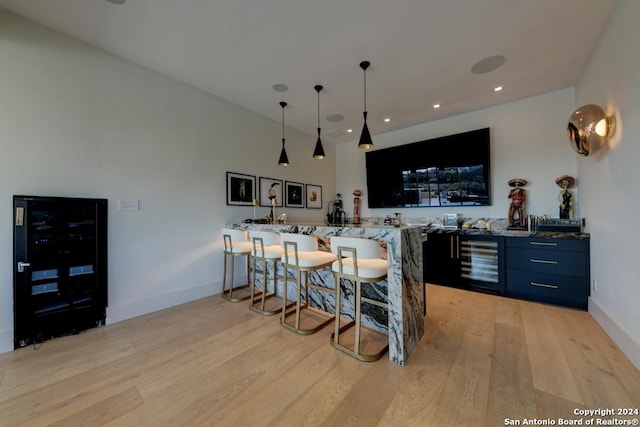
point(335, 211)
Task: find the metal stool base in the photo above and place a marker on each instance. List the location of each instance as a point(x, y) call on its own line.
point(360, 356)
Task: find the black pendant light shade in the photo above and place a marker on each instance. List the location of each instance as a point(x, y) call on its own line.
point(284, 160)
point(365, 136)
point(318, 153)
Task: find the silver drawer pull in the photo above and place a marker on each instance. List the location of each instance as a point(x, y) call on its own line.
point(542, 261)
point(543, 244)
point(544, 285)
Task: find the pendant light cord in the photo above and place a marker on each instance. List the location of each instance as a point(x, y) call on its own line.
point(365, 88)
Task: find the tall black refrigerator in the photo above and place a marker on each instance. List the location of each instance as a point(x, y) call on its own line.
point(60, 266)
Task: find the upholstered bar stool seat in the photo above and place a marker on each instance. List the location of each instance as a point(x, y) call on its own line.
point(301, 254)
point(235, 245)
point(266, 249)
point(359, 260)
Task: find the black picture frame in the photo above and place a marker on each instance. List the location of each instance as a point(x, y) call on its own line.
point(241, 189)
point(270, 188)
point(313, 196)
point(294, 194)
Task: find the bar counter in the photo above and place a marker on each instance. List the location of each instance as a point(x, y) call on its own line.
point(403, 289)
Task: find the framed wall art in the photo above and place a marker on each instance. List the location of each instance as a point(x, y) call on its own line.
point(313, 196)
point(293, 194)
point(241, 189)
point(270, 189)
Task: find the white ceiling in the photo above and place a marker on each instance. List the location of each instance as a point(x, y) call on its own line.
point(421, 51)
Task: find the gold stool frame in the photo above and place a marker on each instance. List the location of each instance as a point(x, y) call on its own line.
point(228, 252)
point(295, 327)
point(359, 299)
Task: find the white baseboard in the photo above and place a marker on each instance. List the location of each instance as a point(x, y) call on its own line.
point(128, 310)
point(6, 341)
point(629, 346)
point(117, 313)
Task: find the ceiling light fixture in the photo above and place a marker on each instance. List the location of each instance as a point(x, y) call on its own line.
point(284, 160)
point(117, 1)
point(488, 64)
point(365, 136)
point(280, 87)
point(497, 89)
point(436, 106)
point(318, 153)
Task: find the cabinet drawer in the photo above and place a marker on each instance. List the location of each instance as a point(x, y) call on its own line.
point(545, 261)
point(577, 245)
point(564, 290)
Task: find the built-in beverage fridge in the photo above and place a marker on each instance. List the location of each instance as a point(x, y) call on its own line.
point(60, 266)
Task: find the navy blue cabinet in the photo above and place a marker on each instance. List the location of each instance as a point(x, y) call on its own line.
point(441, 259)
point(547, 269)
point(553, 270)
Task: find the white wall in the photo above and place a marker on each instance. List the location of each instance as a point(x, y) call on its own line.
point(77, 121)
point(528, 140)
point(610, 179)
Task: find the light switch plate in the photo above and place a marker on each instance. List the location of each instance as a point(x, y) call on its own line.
point(128, 205)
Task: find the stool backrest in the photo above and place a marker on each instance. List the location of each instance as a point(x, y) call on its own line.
point(235, 234)
point(304, 242)
point(365, 248)
point(230, 235)
point(268, 237)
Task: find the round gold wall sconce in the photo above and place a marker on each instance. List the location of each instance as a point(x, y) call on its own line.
point(588, 129)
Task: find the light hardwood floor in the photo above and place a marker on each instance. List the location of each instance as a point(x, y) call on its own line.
point(483, 359)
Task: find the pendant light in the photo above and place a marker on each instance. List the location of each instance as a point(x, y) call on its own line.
point(365, 137)
point(284, 160)
point(318, 153)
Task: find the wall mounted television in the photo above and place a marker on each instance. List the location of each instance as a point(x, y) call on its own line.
point(451, 170)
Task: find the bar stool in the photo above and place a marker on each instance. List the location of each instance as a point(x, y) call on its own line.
point(302, 255)
point(266, 248)
point(235, 245)
point(359, 260)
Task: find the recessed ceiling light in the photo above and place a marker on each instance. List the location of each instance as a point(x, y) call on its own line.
point(279, 87)
point(488, 64)
point(436, 105)
point(349, 130)
point(335, 118)
point(117, 1)
point(497, 89)
point(387, 119)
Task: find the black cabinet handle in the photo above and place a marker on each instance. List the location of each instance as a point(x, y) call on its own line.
point(543, 261)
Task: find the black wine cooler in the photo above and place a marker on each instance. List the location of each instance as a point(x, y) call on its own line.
point(60, 266)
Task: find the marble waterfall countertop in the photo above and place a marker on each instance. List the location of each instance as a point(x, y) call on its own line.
point(403, 289)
